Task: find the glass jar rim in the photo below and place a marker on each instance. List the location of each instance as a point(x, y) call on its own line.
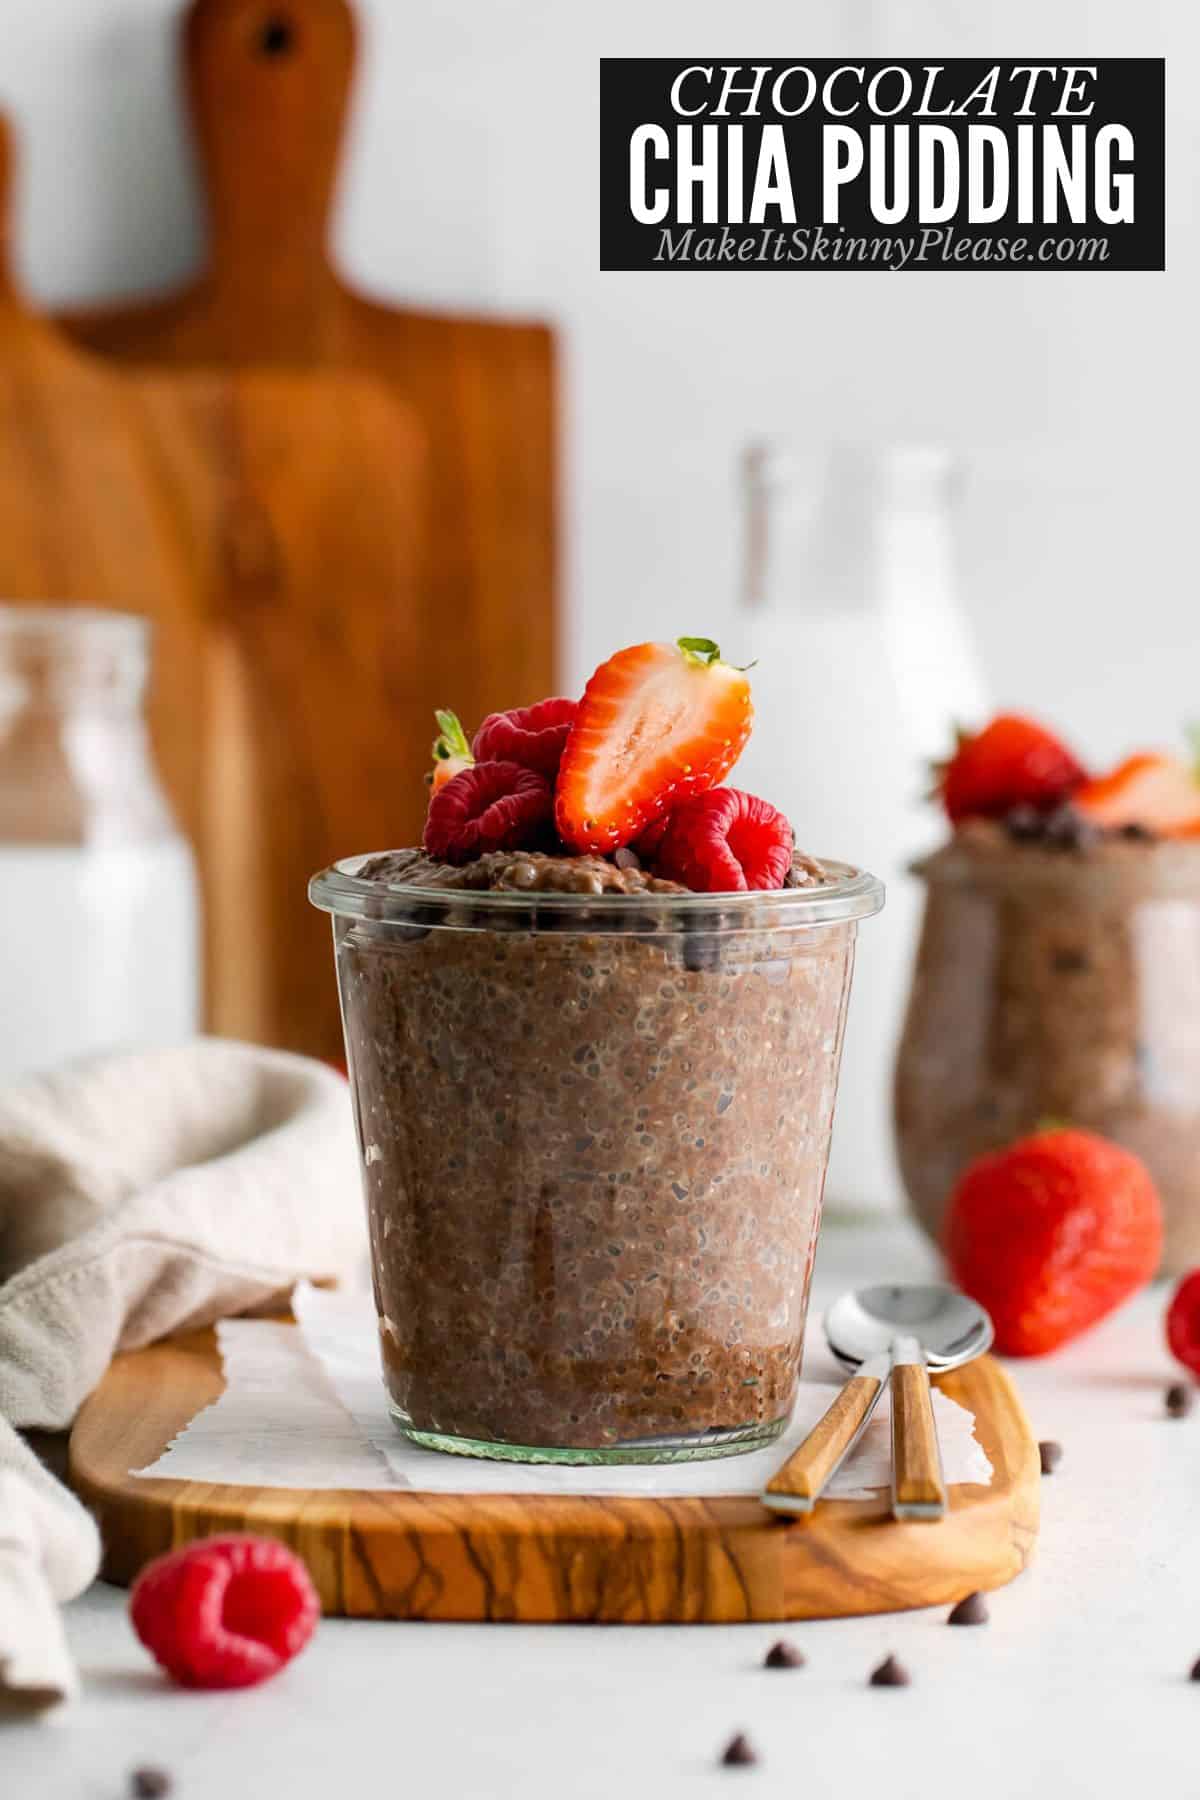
point(1164, 868)
point(849, 894)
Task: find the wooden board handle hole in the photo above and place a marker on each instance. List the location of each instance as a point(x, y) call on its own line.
point(277, 36)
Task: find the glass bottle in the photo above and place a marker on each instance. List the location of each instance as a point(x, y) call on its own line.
point(864, 665)
point(99, 947)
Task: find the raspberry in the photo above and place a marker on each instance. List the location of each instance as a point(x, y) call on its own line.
point(724, 841)
point(224, 1612)
point(647, 846)
point(494, 806)
point(1183, 1322)
point(530, 735)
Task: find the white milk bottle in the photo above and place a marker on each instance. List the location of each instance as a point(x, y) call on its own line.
point(98, 908)
point(864, 666)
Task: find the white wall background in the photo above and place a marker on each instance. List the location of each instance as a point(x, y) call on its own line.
point(471, 181)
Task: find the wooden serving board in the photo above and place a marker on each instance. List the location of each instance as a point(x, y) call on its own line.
point(557, 1559)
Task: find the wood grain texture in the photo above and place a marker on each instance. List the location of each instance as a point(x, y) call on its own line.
point(338, 515)
point(443, 1556)
point(808, 1468)
point(296, 501)
point(269, 127)
point(81, 518)
point(270, 524)
point(918, 1489)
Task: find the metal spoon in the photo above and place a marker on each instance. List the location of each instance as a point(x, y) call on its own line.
point(880, 1331)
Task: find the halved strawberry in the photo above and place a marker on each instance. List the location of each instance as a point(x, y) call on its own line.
point(451, 751)
point(1012, 762)
point(657, 724)
point(1158, 791)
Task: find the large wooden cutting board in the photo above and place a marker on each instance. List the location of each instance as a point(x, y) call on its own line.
point(271, 524)
point(268, 83)
point(295, 501)
point(570, 1560)
point(82, 520)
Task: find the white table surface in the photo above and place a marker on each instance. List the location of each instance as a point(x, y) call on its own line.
point(1077, 1687)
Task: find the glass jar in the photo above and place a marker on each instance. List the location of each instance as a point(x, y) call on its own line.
point(1056, 985)
point(594, 1133)
point(99, 948)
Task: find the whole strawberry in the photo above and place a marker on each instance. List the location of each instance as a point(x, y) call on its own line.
point(1051, 1234)
point(1012, 762)
point(451, 751)
point(1183, 1322)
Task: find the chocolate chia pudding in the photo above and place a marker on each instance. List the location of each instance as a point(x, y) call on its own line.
point(594, 1113)
point(1056, 980)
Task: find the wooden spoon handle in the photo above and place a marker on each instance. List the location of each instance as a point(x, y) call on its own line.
point(797, 1486)
point(918, 1487)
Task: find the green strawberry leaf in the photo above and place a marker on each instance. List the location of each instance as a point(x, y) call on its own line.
point(706, 652)
point(452, 740)
point(1191, 732)
point(701, 650)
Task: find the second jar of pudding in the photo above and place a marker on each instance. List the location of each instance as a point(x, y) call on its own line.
point(594, 1130)
point(1056, 984)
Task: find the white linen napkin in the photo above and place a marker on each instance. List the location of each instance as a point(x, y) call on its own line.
point(141, 1193)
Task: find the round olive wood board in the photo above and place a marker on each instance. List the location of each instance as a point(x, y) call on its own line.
point(537, 1559)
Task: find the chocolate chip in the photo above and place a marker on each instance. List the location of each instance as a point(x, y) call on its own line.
point(701, 951)
point(149, 1784)
point(625, 858)
point(1059, 828)
point(1024, 824)
point(1069, 962)
point(1064, 829)
point(971, 1610)
point(739, 1752)
point(1050, 1454)
point(890, 1673)
point(1194, 1674)
point(1138, 834)
point(784, 1656)
point(1179, 1399)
